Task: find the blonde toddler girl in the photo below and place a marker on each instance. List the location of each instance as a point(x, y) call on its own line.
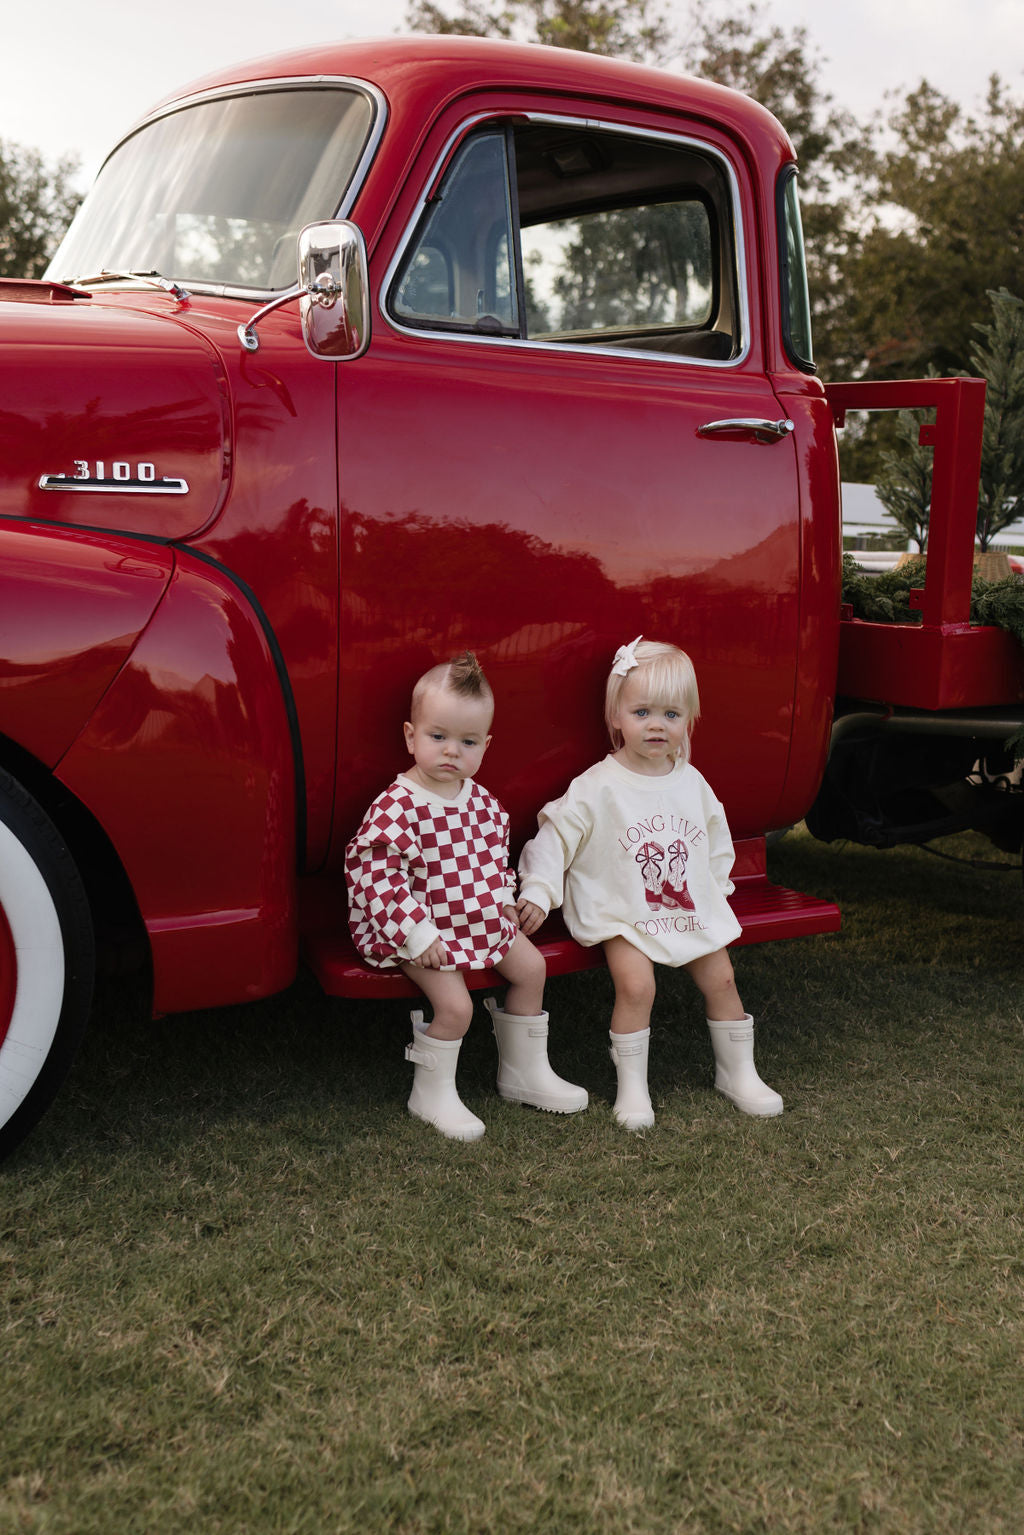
point(637, 853)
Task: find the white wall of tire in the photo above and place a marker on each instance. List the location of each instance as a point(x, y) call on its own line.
point(38, 945)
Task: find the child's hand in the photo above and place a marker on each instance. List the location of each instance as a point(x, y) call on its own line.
point(433, 958)
point(530, 917)
point(511, 914)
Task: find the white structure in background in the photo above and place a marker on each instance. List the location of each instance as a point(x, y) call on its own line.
point(864, 517)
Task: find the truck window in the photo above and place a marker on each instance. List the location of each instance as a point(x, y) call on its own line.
point(618, 270)
point(796, 303)
point(214, 194)
point(542, 232)
point(459, 271)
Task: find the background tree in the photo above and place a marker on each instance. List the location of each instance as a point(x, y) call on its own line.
point(37, 202)
point(1000, 360)
point(941, 222)
point(634, 29)
point(732, 45)
point(939, 199)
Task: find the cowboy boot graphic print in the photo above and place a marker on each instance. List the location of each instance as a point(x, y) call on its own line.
point(674, 890)
point(650, 856)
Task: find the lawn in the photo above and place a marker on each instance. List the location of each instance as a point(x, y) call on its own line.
point(244, 1291)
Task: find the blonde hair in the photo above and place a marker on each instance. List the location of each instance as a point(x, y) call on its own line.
point(462, 675)
point(668, 677)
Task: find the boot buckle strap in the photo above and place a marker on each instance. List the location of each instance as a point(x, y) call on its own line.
point(420, 1057)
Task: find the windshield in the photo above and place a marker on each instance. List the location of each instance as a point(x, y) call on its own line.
point(216, 193)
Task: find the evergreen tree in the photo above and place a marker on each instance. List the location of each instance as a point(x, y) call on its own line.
point(1000, 360)
point(904, 484)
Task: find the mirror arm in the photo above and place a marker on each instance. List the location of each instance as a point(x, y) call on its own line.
point(323, 290)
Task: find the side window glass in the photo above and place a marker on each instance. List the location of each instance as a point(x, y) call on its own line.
point(584, 237)
point(796, 304)
point(428, 290)
point(459, 271)
point(627, 242)
point(621, 269)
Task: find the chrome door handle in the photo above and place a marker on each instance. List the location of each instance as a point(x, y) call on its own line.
point(764, 431)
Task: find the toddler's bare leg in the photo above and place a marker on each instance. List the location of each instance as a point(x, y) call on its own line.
point(525, 971)
point(446, 992)
point(716, 982)
point(633, 975)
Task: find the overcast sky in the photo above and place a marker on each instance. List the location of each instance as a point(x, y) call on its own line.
point(73, 78)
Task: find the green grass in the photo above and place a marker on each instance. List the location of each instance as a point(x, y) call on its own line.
point(244, 1291)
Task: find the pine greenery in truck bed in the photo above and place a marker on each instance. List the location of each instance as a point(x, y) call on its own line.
point(885, 598)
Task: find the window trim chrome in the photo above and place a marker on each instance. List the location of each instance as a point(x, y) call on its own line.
point(580, 124)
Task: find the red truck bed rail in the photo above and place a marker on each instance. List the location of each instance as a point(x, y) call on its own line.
point(941, 663)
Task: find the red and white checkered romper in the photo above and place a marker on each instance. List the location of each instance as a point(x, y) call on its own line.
point(420, 858)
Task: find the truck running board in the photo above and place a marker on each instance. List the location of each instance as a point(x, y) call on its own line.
point(765, 912)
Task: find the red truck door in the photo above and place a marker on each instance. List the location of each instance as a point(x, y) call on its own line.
point(562, 436)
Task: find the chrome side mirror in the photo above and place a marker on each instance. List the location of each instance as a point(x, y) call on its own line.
point(334, 290)
point(333, 293)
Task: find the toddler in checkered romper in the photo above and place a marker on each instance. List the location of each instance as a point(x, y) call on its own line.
point(431, 892)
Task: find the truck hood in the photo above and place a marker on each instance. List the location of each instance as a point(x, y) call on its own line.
point(112, 416)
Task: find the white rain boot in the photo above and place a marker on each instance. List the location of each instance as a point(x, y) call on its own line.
point(633, 1101)
point(434, 1097)
point(736, 1075)
point(524, 1072)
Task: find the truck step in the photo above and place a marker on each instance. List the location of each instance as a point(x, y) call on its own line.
point(765, 912)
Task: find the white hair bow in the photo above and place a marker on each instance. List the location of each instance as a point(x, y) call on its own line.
point(625, 659)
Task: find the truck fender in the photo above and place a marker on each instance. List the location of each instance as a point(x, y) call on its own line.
point(190, 763)
point(72, 605)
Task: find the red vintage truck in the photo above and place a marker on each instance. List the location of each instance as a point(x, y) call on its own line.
point(358, 356)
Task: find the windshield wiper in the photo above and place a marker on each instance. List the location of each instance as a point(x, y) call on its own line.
point(152, 278)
